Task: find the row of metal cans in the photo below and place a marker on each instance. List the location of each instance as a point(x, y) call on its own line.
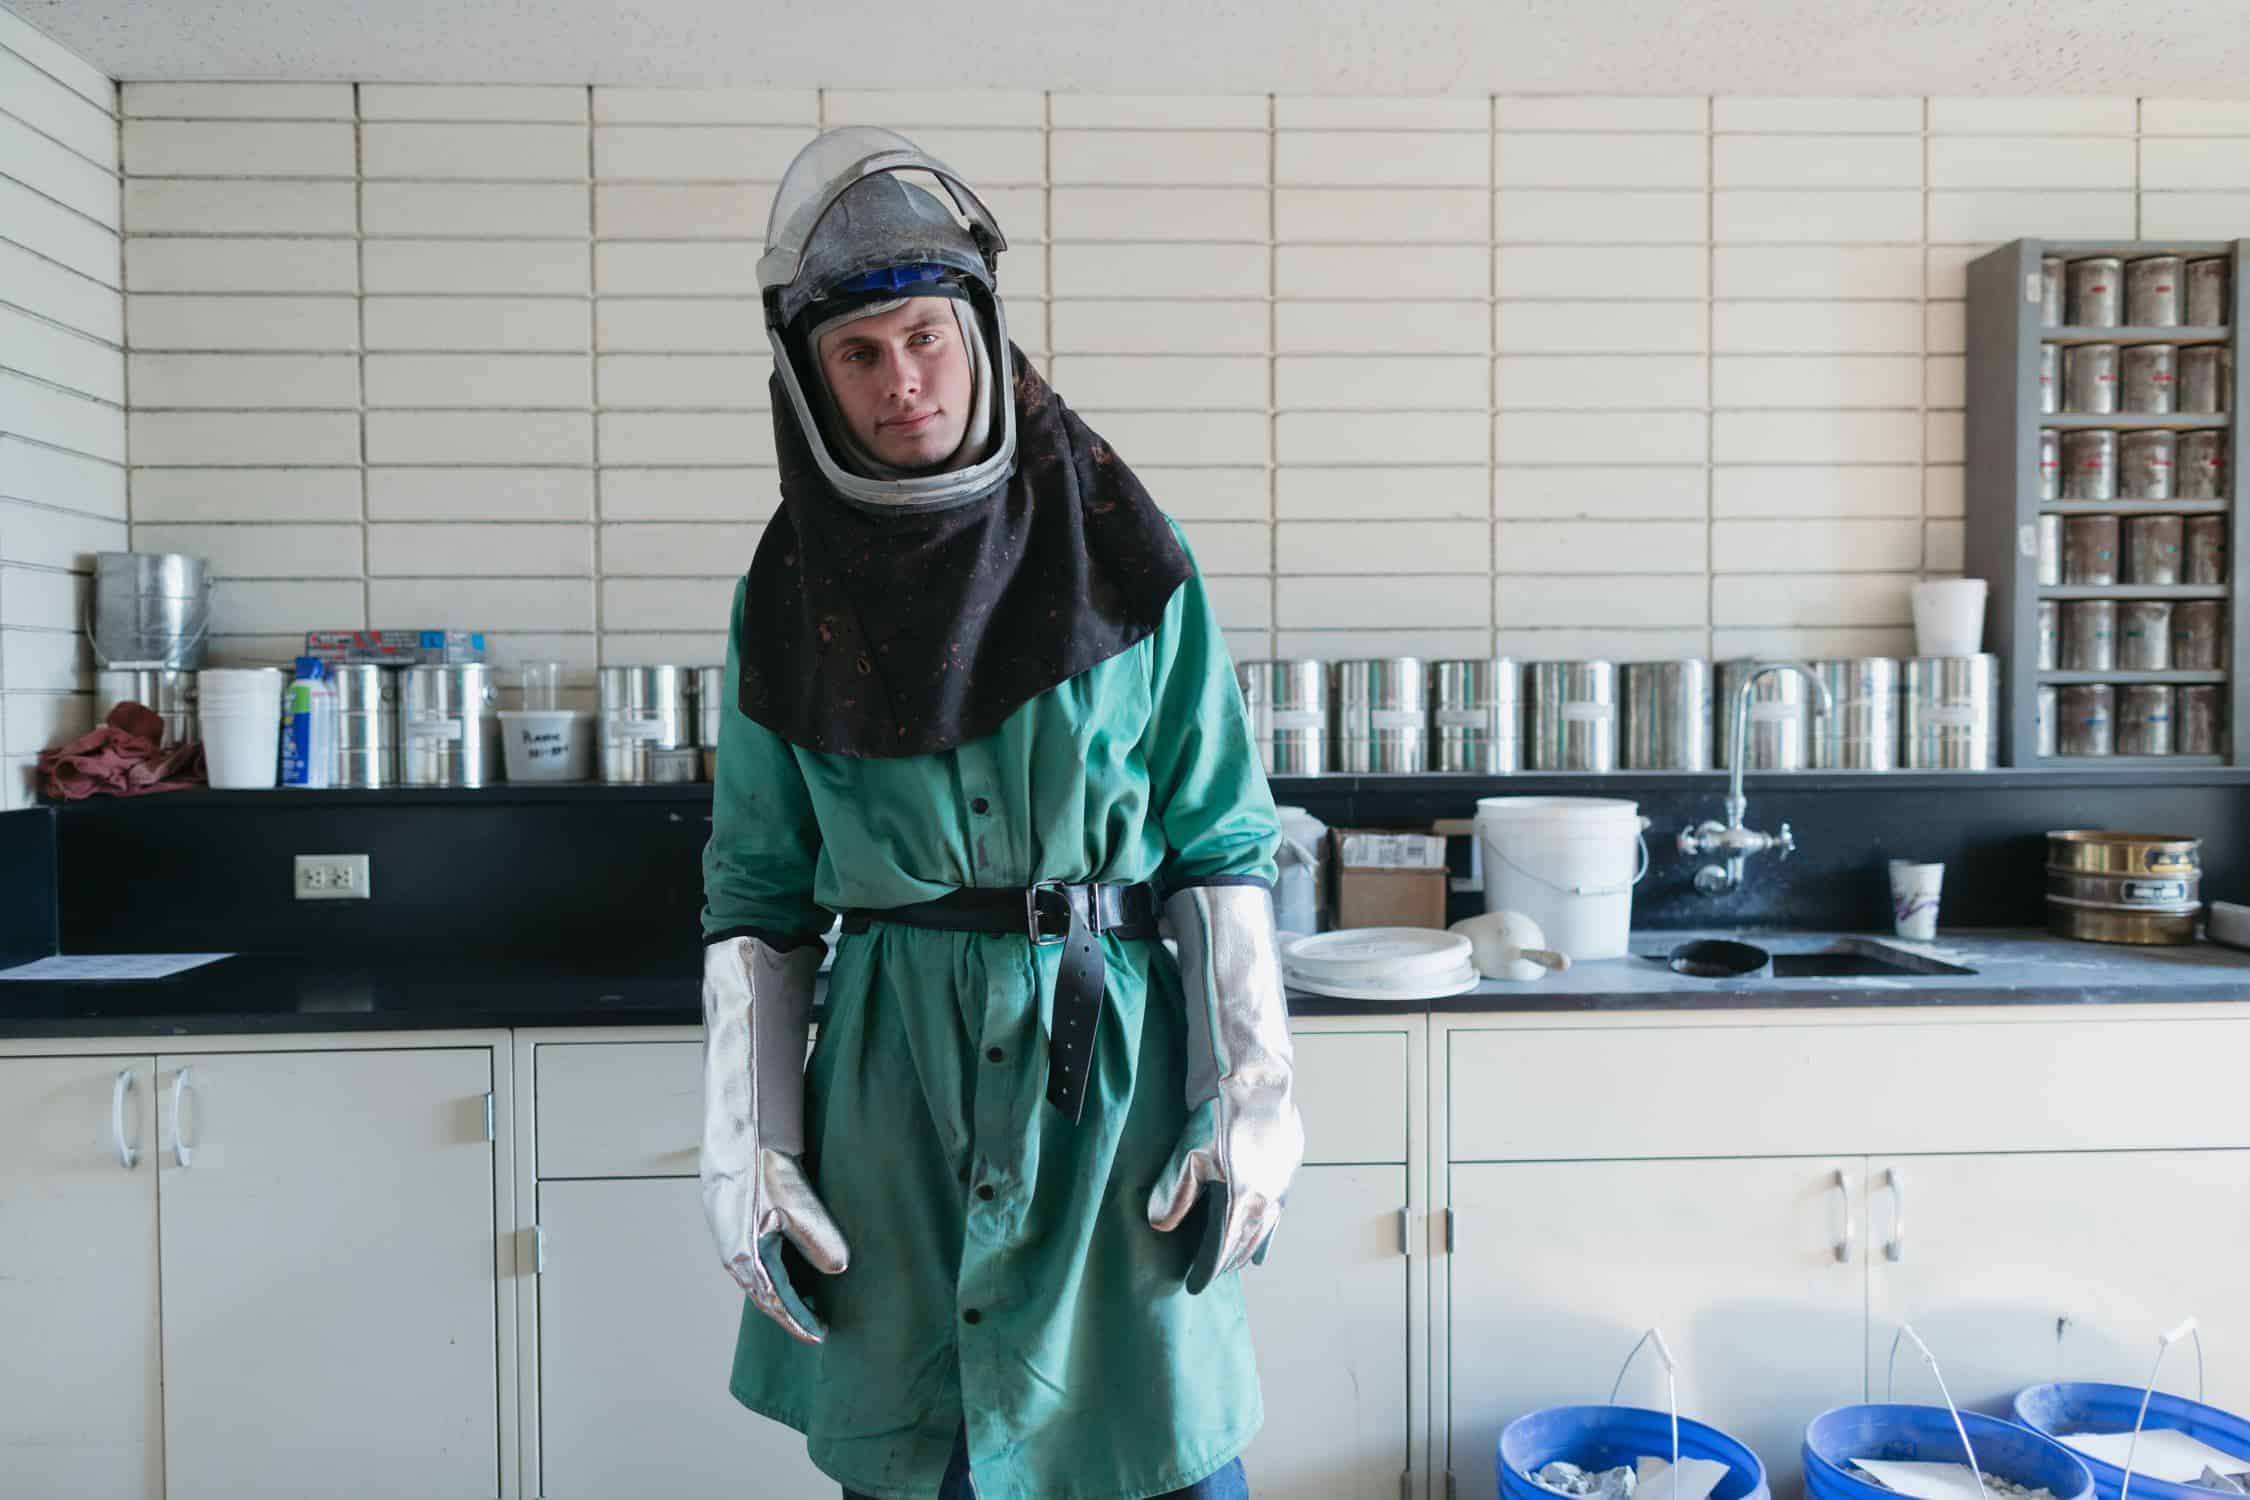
point(2153, 551)
point(1499, 715)
point(2148, 291)
point(2142, 379)
point(2132, 635)
point(2100, 463)
point(2137, 718)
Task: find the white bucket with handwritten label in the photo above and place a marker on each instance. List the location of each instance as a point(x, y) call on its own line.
point(548, 744)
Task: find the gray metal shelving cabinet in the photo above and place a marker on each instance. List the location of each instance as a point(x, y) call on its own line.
point(2002, 494)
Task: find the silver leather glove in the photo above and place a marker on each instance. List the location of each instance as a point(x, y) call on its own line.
point(757, 1012)
point(1243, 1139)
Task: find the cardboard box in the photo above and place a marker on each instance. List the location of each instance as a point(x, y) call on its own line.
point(396, 648)
point(1388, 879)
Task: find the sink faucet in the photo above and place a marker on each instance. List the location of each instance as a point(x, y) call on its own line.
point(1731, 838)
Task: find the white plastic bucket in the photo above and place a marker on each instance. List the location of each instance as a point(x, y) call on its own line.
point(547, 744)
point(1568, 863)
point(1296, 895)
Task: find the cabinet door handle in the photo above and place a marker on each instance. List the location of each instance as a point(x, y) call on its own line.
point(1405, 1239)
point(1844, 1196)
point(1895, 1247)
point(128, 1156)
point(181, 1153)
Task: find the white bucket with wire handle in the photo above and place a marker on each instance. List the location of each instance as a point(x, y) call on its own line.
point(1568, 863)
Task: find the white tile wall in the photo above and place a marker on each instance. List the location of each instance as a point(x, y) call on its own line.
point(62, 386)
point(1552, 375)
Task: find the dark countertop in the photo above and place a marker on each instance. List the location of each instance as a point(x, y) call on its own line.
point(271, 994)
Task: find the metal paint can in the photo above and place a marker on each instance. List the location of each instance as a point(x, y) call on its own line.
point(2145, 465)
point(1951, 713)
point(2050, 635)
point(2090, 378)
point(1477, 715)
point(1573, 723)
point(2089, 465)
point(2144, 719)
point(2095, 299)
point(1861, 734)
point(644, 710)
point(2152, 549)
point(1286, 702)
point(168, 692)
point(2206, 548)
point(448, 725)
point(2198, 639)
point(2152, 292)
point(2050, 291)
point(2089, 635)
point(2050, 378)
point(2147, 378)
point(1383, 715)
point(2207, 293)
point(710, 705)
point(366, 724)
point(1667, 715)
point(2144, 636)
point(2044, 710)
point(2050, 534)
point(2089, 550)
point(2050, 464)
point(2197, 722)
point(1780, 718)
point(2206, 384)
point(2086, 719)
point(2203, 465)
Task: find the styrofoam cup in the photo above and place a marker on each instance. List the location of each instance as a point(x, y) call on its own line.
point(1914, 898)
point(1949, 617)
point(242, 745)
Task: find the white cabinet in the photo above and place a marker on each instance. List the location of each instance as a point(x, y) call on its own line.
point(81, 1400)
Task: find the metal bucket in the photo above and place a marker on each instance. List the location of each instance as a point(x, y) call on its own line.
point(710, 705)
point(1951, 713)
point(367, 724)
point(1477, 715)
point(1573, 720)
point(2110, 887)
point(167, 692)
point(1781, 714)
point(151, 609)
point(2206, 383)
point(1287, 704)
point(2152, 291)
point(2090, 378)
point(1668, 715)
point(2199, 727)
point(2207, 295)
point(449, 725)
point(2095, 291)
point(1382, 715)
point(644, 710)
point(2144, 719)
point(2086, 720)
point(2148, 379)
point(1862, 733)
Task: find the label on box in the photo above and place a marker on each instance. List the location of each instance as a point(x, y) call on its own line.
point(1393, 851)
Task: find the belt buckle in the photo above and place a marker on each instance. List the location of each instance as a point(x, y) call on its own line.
point(1031, 912)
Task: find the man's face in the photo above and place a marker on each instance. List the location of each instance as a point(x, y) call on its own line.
point(902, 381)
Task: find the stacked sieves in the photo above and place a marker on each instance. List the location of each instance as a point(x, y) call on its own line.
point(367, 724)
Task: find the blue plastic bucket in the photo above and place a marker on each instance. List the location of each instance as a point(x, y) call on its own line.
point(1925, 1434)
point(1605, 1437)
point(2069, 1407)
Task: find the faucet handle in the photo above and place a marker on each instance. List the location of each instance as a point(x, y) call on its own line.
point(1785, 841)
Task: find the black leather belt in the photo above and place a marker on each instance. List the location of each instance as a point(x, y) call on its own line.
point(1050, 912)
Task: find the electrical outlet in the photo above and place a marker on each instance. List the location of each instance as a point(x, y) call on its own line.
point(332, 877)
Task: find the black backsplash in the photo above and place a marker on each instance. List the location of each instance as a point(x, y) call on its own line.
point(28, 927)
point(613, 874)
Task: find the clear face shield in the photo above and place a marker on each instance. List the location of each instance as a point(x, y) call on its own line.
point(823, 250)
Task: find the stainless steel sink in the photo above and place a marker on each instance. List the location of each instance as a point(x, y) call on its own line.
point(1847, 958)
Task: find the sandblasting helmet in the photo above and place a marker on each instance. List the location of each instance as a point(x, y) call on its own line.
point(850, 237)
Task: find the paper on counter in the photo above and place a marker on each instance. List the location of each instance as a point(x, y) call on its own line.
point(2164, 1453)
point(111, 966)
point(1695, 1479)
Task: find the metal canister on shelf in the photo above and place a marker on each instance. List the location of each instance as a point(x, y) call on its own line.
point(2086, 719)
point(2144, 719)
point(367, 724)
point(2095, 299)
point(1383, 715)
point(1573, 719)
point(2050, 464)
point(1950, 713)
point(2198, 723)
point(2089, 635)
point(1477, 715)
point(644, 710)
point(168, 692)
point(2152, 291)
point(1780, 715)
point(448, 725)
point(2207, 292)
point(2199, 636)
point(2203, 465)
point(2089, 465)
point(2044, 709)
point(2144, 636)
point(2050, 378)
point(2050, 291)
point(710, 705)
point(1287, 705)
point(2206, 550)
point(2089, 552)
point(2050, 634)
point(2050, 534)
point(2206, 384)
point(1861, 731)
point(2145, 466)
point(2090, 378)
point(2147, 380)
point(1668, 715)
point(2153, 549)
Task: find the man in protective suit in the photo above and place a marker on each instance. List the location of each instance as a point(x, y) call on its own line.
point(979, 706)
